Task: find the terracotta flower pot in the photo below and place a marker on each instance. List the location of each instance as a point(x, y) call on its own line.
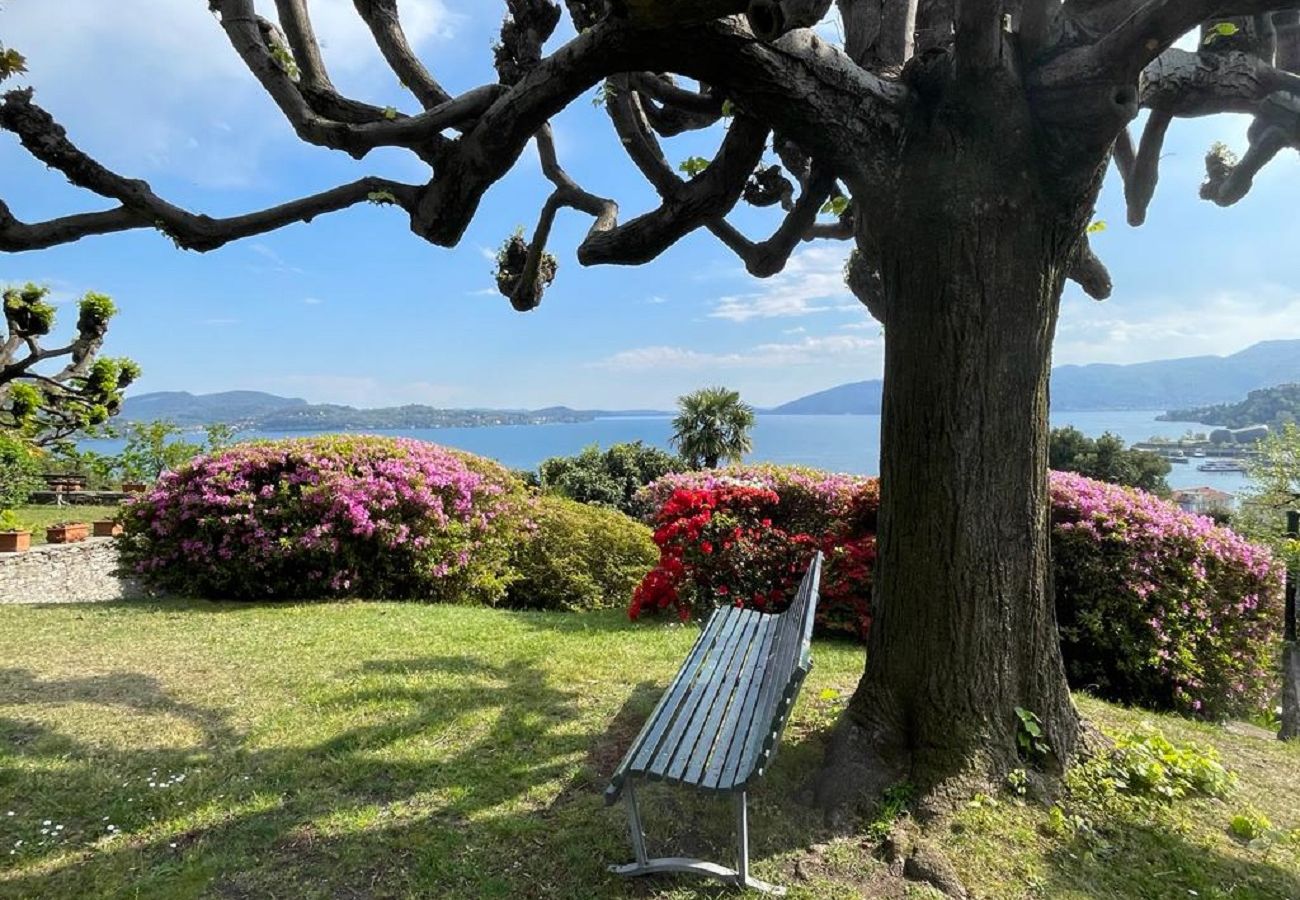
point(67, 534)
point(134, 487)
point(15, 541)
point(107, 528)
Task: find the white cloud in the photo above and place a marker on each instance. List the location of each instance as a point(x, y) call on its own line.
point(312, 301)
point(153, 86)
point(812, 282)
point(838, 349)
point(1163, 328)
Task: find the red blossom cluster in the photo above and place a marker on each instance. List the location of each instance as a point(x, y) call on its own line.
point(734, 543)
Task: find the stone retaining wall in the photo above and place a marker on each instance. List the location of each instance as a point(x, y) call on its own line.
point(83, 572)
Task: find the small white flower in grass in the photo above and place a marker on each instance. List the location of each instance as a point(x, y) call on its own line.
point(10, 813)
point(47, 822)
point(45, 831)
point(173, 846)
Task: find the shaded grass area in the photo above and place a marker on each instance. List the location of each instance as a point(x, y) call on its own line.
point(38, 518)
point(389, 750)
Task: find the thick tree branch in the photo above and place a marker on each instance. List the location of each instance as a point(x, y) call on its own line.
point(46, 140)
point(1090, 272)
point(978, 35)
point(768, 257)
point(382, 19)
point(1153, 26)
point(1140, 186)
point(836, 107)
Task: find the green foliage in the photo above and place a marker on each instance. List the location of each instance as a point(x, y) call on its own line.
point(579, 557)
point(10, 522)
point(836, 206)
point(1274, 490)
point(1030, 742)
point(20, 469)
point(150, 450)
point(11, 62)
point(1219, 30)
point(610, 478)
point(1106, 459)
point(382, 198)
point(894, 803)
point(27, 312)
point(94, 311)
point(1249, 825)
point(712, 426)
point(693, 165)
point(1140, 774)
point(219, 436)
point(1274, 406)
point(1097, 227)
point(390, 113)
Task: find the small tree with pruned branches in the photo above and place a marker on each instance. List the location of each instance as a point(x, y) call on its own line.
point(48, 406)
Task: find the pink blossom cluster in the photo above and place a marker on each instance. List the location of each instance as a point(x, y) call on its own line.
point(1160, 607)
point(333, 515)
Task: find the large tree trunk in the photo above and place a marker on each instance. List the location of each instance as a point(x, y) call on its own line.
point(964, 629)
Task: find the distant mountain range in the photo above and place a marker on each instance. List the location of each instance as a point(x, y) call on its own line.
point(1162, 384)
point(258, 411)
point(1196, 381)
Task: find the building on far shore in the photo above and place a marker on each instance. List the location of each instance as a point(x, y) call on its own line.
point(1204, 500)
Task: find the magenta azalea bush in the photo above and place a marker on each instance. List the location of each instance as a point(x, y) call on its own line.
point(329, 516)
point(1159, 607)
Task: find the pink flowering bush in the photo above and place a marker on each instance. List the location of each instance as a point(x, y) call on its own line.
point(1161, 608)
point(330, 516)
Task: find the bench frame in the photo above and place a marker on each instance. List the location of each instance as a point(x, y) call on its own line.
point(798, 659)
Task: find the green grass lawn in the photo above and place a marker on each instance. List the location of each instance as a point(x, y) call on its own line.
point(187, 749)
point(38, 518)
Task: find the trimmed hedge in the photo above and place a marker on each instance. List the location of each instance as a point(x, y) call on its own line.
point(579, 557)
point(329, 516)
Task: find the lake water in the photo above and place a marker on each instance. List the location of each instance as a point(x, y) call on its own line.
point(835, 443)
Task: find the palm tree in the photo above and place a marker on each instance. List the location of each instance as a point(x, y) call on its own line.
point(712, 424)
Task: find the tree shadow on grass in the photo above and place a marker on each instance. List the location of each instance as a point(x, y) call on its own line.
point(456, 777)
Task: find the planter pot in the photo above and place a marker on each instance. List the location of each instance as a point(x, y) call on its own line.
point(107, 529)
point(67, 534)
point(134, 487)
point(15, 541)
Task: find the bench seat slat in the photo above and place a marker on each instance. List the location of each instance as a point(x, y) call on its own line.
point(661, 716)
point(743, 756)
point(739, 711)
point(657, 766)
point(702, 732)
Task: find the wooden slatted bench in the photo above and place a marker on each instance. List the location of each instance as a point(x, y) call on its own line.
point(717, 725)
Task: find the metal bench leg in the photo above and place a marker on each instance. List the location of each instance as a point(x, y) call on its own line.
point(646, 866)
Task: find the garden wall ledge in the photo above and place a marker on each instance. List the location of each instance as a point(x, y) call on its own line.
point(84, 572)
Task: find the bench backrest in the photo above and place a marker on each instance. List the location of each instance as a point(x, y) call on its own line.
point(789, 662)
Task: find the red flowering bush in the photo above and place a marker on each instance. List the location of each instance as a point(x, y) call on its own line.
point(1156, 607)
point(744, 537)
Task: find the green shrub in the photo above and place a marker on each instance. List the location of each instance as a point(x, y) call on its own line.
point(20, 470)
point(609, 478)
point(579, 557)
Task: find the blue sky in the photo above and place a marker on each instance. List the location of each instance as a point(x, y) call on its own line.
point(355, 309)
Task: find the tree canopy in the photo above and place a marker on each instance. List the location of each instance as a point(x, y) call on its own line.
point(1107, 459)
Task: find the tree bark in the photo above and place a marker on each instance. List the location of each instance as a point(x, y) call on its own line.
point(964, 629)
